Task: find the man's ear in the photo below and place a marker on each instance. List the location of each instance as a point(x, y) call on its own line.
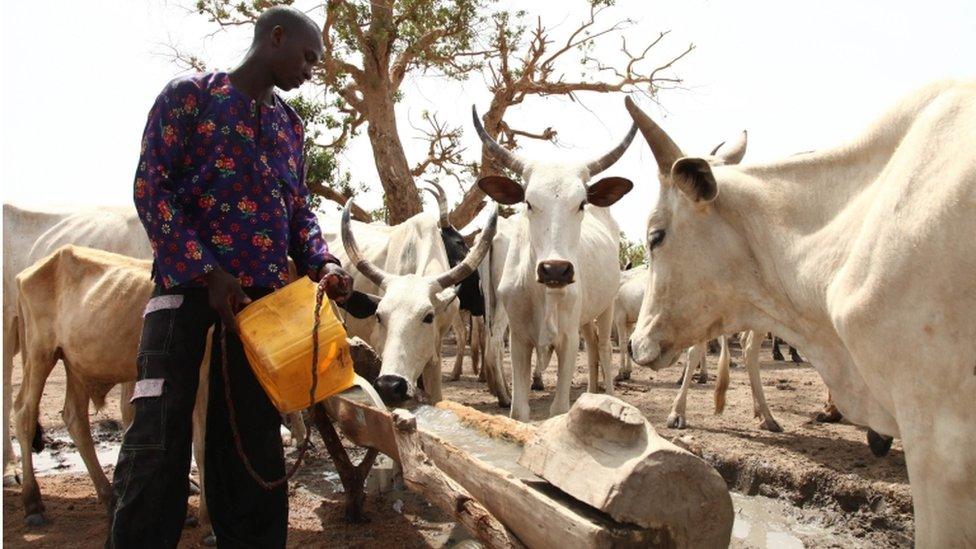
point(694, 178)
point(502, 189)
point(361, 305)
point(608, 190)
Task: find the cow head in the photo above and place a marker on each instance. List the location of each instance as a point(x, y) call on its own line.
point(410, 314)
point(555, 197)
point(695, 257)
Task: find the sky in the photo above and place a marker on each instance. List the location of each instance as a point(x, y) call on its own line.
point(79, 78)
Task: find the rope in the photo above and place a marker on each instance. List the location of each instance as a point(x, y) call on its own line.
point(232, 414)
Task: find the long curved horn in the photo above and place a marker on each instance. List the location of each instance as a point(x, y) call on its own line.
point(607, 160)
point(733, 153)
point(372, 272)
point(441, 206)
point(471, 261)
point(666, 152)
point(509, 159)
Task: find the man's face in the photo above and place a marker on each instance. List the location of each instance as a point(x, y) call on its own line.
point(294, 55)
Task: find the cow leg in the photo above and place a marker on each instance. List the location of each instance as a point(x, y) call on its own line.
point(703, 363)
point(623, 336)
point(460, 338)
point(128, 411)
point(777, 355)
point(432, 379)
point(200, 431)
point(37, 367)
point(476, 339)
point(722, 377)
point(676, 419)
point(794, 355)
point(75, 415)
point(605, 350)
point(760, 408)
point(521, 378)
point(566, 350)
point(10, 341)
point(493, 368)
point(588, 331)
point(543, 354)
point(830, 413)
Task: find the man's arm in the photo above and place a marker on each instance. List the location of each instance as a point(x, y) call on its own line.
point(180, 255)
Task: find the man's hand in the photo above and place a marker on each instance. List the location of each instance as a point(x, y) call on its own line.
point(226, 296)
point(338, 283)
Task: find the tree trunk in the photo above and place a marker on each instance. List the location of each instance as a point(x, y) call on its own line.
point(474, 199)
point(399, 191)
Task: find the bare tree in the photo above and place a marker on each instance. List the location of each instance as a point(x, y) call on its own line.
point(516, 73)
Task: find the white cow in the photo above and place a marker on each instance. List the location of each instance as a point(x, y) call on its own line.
point(561, 273)
point(408, 265)
point(30, 235)
point(864, 256)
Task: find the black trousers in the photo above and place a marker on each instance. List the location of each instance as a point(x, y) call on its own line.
point(150, 485)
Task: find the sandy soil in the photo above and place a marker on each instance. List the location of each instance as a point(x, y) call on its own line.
point(825, 472)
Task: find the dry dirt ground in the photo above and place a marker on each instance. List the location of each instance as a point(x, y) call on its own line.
point(825, 472)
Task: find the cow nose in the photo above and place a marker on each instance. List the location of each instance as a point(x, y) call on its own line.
point(392, 388)
point(555, 272)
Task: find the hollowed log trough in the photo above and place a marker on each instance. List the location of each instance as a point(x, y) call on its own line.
point(599, 476)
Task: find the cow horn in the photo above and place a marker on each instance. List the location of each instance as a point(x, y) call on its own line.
point(733, 153)
point(372, 272)
point(441, 198)
point(607, 160)
point(509, 159)
point(666, 152)
point(474, 258)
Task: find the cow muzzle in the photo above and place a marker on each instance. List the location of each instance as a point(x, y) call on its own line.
point(393, 389)
point(555, 273)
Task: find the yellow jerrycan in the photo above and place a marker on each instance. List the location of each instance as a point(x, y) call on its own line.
point(276, 331)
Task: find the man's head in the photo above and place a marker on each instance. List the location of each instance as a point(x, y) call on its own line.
point(290, 43)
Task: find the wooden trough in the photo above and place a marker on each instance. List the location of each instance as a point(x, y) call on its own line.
point(599, 476)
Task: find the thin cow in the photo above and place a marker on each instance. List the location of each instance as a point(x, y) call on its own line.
point(863, 255)
point(561, 273)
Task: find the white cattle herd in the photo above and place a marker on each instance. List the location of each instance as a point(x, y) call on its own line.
point(863, 255)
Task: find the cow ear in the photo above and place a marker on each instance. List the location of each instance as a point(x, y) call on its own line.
point(445, 297)
point(608, 190)
point(694, 177)
point(502, 189)
point(361, 305)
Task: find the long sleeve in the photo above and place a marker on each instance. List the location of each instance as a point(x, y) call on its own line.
point(307, 246)
point(180, 255)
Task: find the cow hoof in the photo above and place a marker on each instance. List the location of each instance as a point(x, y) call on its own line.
point(879, 444)
point(622, 376)
point(210, 540)
point(191, 522)
point(829, 416)
point(11, 480)
point(702, 379)
point(732, 364)
point(771, 426)
point(676, 421)
point(796, 358)
point(777, 356)
point(454, 377)
point(680, 380)
point(537, 384)
point(36, 520)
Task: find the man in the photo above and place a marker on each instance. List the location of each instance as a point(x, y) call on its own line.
point(221, 192)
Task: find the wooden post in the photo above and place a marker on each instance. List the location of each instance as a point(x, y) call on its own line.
point(353, 477)
point(422, 476)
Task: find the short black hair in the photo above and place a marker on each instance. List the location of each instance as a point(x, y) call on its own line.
point(288, 18)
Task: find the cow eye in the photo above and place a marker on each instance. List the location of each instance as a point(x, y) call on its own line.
point(428, 318)
point(528, 205)
point(655, 238)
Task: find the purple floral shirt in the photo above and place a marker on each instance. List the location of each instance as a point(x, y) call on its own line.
point(221, 182)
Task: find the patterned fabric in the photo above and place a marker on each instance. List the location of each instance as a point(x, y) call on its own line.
point(221, 182)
